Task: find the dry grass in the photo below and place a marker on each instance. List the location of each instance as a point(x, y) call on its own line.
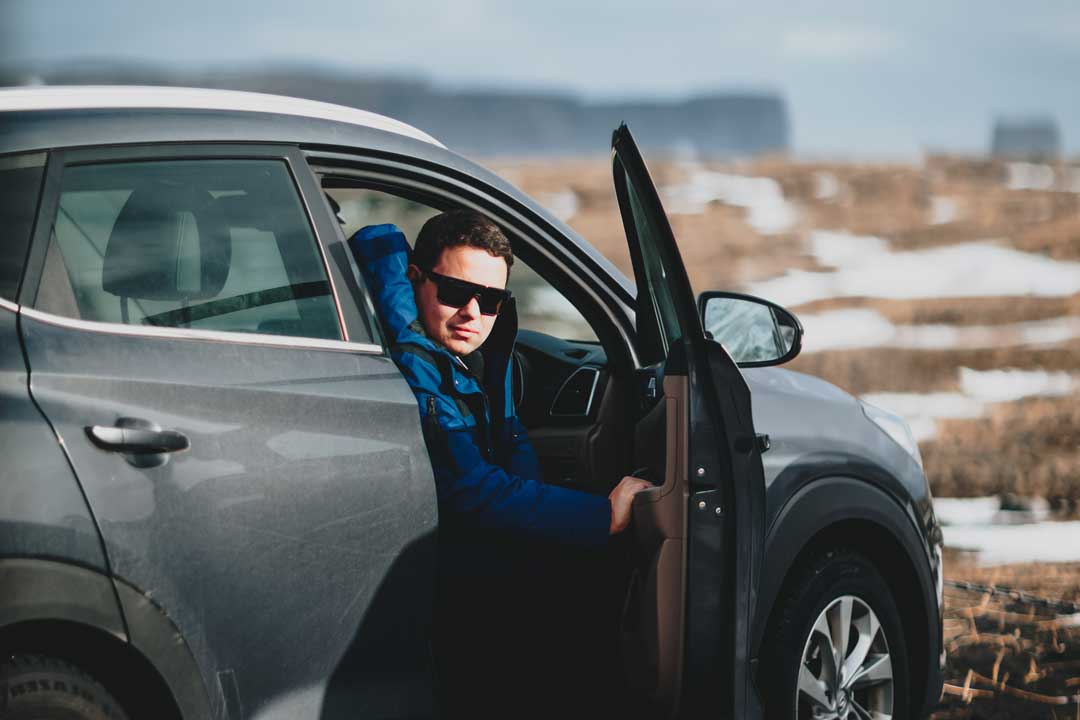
point(1030, 447)
point(955, 311)
point(866, 370)
point(1015, 659)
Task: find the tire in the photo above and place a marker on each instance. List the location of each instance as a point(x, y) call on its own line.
point(836, 589)
point(44, 688)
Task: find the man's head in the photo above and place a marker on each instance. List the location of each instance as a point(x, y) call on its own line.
point(455, 246)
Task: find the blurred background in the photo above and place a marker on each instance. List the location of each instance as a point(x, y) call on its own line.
point(905, 177)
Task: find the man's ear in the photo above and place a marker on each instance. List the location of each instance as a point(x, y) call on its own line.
point(413, 273)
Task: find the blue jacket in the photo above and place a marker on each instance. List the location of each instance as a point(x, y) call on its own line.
point(487, 475)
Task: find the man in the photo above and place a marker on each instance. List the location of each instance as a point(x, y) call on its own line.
point(452, 324)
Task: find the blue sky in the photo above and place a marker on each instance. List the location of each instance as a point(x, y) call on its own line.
point(862, 79)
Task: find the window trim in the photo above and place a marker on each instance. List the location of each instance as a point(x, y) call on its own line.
point(438, 187)
point(58, 160)
point(18, 161)
point(177, 333)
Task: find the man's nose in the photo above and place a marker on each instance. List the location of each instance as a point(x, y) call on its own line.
point(471, 309)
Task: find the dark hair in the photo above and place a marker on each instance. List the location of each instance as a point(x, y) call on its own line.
point(455, 228)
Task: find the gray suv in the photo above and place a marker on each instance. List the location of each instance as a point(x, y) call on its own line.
point(215, 499)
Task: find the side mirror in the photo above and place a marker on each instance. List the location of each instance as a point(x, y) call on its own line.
point(755, 332)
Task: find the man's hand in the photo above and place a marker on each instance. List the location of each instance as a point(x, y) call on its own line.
point(621, 498)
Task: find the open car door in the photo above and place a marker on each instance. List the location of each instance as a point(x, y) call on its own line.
point(697, 534)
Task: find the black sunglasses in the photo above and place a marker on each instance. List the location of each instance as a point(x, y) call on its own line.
point(456, 293)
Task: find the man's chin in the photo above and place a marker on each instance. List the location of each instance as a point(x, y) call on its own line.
point(459, 347)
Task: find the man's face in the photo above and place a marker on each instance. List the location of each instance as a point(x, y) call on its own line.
point(459, 330)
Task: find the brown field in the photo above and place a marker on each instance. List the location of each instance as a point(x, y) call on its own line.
point(1008, 659)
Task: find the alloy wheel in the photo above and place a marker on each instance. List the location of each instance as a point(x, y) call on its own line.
point(846, 670)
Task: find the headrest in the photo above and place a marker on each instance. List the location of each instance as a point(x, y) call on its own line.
point(168, 243)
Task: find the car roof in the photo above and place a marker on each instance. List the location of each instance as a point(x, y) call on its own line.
point(102, 97)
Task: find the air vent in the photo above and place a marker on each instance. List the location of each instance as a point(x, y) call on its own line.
point(575, 397)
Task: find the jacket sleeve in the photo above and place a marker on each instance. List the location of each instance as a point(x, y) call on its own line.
point(485, 495)
point(382, 255)
point(522, 456)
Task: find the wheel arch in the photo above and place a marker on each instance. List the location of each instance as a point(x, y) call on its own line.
point(74, 614)
point(841, 511)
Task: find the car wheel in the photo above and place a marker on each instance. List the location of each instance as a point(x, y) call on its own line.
point(836, 649)
point(44, 688)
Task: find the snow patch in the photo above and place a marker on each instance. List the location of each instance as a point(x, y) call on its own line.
point(1001, 544)
point(966, 511)
point(1005, 536)
point(943, 210)
point(854, 328)
point(1029, 176)
point(826, 186)
point(992, 386)
point(979, 389)
point(865, 266)
point(767, 210)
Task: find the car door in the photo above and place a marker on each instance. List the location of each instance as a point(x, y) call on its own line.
point(250, 453)
point(698, 534)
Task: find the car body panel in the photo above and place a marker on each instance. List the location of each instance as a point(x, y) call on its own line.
point(279, 438)
point(42, 510)
point(836, 468)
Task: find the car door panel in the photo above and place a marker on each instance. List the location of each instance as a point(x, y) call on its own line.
point(722, 503)
point(654, 619)
point(268, 540)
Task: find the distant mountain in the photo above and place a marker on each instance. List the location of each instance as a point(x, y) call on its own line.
point(1026, 138)
point(486, 122)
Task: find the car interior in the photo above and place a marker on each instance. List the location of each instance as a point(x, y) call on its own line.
point(592, 417)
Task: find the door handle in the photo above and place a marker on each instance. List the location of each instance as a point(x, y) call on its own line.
point(133, 436)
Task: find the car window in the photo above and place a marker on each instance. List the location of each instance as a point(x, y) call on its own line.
point(540, 306)
point(208, 244)
point(544, 309)
point(658, 291)
point(20, 183)
point(358, 207)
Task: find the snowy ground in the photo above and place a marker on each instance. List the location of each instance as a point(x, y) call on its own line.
point(768, 211)
point(861, 327)
point(978, 389)
point(867, 267)
point(1001, 537)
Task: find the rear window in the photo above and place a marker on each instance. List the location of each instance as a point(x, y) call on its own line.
point(20, 184)
point(219, 245)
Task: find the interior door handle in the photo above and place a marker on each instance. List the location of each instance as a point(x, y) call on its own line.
point(137, 440)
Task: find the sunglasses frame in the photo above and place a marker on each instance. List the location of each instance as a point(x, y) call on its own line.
point(483, 293)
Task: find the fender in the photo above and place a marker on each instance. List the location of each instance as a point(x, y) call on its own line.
point(33, 589)
point(822, 503)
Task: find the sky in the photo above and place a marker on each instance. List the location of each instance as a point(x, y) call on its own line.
point(873, 79)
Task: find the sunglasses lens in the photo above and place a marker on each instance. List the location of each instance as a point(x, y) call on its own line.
point(491, 301)
point(456, 293)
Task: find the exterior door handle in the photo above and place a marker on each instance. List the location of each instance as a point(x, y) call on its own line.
point(144, 443)
point(137, 441)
